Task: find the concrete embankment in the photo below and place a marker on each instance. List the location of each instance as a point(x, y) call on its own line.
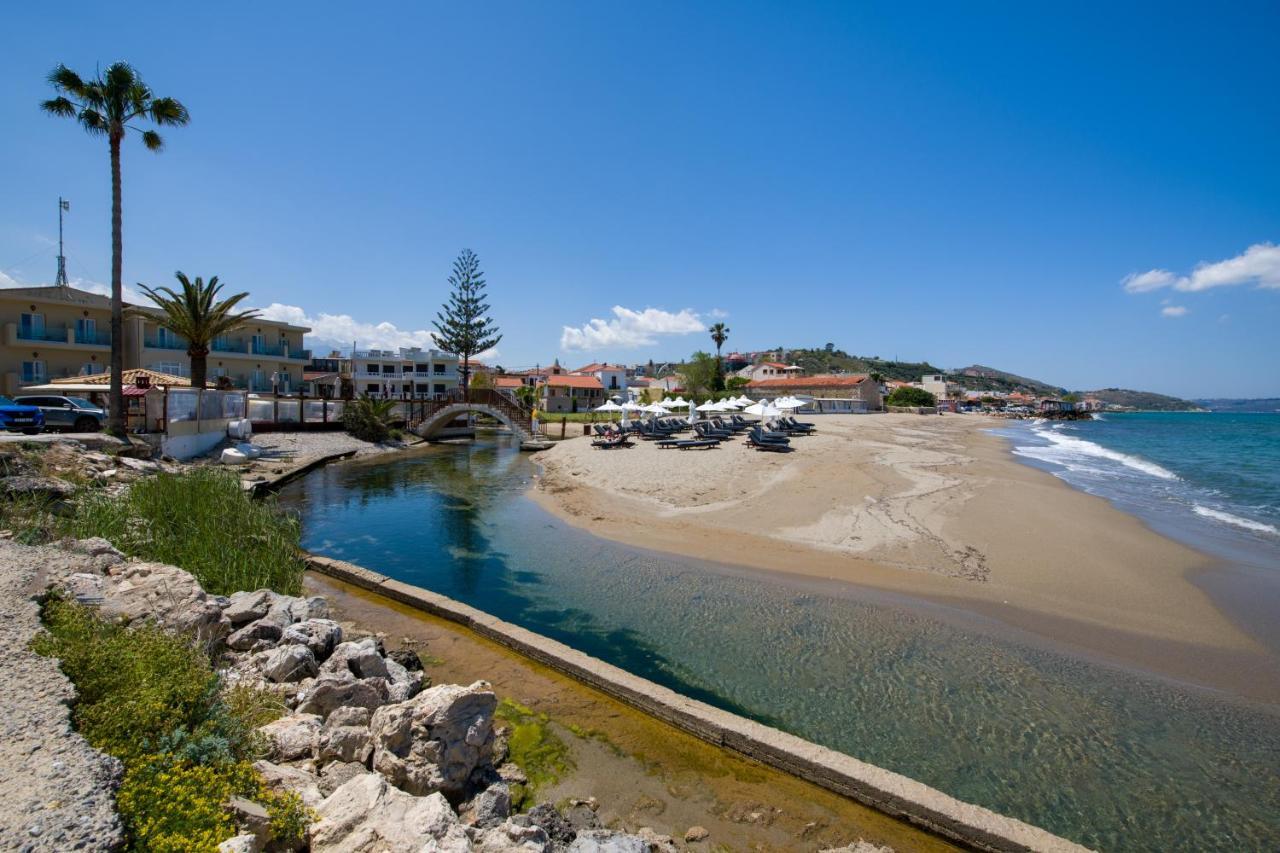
point(963, 823)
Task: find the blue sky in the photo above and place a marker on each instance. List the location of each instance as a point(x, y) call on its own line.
point(1029, 187)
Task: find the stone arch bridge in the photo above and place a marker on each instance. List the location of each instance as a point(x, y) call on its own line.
point(429, 416)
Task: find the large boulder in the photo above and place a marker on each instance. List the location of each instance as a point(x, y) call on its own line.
point(559, 830)
point(256, 635)
point(346, 744)
point(319, 635)
point(289, 663)
point(163, 594)
point(25, 485)
point(488, 808)
point(402, 684)
point(292, 737)
point(330, 692)
point(367, 815)
point(246, 607)
point(360, 658)
point(284, 777)
point(436, 740)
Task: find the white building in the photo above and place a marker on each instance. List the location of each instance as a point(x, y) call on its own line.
point(406, 372)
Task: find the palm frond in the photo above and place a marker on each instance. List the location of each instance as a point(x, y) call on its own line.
point(152, 140)
point(58, 106)
point(168, 111)
point(92, 121)
point(120, 77)
point(66, 80)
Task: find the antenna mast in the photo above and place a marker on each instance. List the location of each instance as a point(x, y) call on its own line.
point(61, 281)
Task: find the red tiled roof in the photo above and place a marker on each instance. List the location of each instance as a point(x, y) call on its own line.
point(772, 364)
point(822, 380)
point(598, 365)
point(568, 381)
point(507, 382)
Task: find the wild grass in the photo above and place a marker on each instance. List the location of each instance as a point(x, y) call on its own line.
point(152, 699)
point(201, 521)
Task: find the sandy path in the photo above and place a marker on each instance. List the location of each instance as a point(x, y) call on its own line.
point(930, 506)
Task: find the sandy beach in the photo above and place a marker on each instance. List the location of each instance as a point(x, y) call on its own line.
point(934, 508)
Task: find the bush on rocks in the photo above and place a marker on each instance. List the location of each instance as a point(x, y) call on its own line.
point(150, 698)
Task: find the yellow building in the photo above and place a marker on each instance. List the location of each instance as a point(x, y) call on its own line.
point(55, 332)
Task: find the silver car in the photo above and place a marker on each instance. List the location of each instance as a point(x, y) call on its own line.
point(67, 413)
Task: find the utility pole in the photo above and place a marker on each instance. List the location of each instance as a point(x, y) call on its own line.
point(61, 281)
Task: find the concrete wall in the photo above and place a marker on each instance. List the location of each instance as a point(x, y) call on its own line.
point(971, 826)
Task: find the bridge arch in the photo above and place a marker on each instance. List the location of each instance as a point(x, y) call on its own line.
point(436, 420)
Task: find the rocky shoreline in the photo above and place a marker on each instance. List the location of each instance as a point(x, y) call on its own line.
point(385, 760)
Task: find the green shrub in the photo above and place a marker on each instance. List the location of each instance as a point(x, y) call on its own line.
point(367, 418)
point(909, 395)
point(204, 522)
point(177, 806)
point(150, 698)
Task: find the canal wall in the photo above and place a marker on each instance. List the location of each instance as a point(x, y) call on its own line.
point(963, 823)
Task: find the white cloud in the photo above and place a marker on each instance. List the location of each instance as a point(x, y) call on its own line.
point(1259, 264)
point(8, 281)
point(1143, 282)
point(718, 314)
point(339, 331)
point(630, 329)
point(1173, 311)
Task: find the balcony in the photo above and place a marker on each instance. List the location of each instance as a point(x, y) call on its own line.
point(169, 342)
point(58, 336)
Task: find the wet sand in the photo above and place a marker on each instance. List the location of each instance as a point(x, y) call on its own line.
point(934, 508)
point(642, 771)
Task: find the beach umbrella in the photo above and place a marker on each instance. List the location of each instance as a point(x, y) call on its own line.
point(677, 403)
point(763, 409)
point(629, 406)
point(709, 406)
point(787, 403)
point(744, 400)
point(609, 406)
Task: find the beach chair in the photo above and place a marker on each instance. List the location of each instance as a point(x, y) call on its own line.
point(756, 439)
point(612, 442)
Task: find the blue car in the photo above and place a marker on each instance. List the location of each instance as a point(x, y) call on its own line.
point(16, 417)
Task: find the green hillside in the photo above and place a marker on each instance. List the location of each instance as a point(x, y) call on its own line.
point(1141, 400)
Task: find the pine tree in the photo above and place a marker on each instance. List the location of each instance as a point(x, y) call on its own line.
point(463, 326)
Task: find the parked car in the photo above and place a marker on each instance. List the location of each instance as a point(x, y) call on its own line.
point(16, 417)
point(68, 413)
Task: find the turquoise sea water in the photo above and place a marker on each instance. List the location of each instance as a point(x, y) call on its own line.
point(1211, 480)
point(1114, 760)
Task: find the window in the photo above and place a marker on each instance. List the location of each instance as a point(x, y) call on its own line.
point(389, 369)
point(173, 368)
point(258, 345)
point(423, 388)
point(32, 371)
point(422, 368)
point(438, 369)
point(165, 338)
point(373, 368)
point(372, 388)
point(91, 368)
point(32, 326)
point(86, 330)
point(256, 381)
point(439, 388)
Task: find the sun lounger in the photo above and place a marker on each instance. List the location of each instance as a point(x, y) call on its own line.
point(776, 446)
point(619, 440)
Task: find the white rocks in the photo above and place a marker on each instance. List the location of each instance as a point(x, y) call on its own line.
point(290, 663)
point(321, 636)
point(516, 835)
point(164, 594)
point(255, 635)
point(434, 741)
point(859, 846)
point(246, 843)
point(330, 692)
point(605, 841)
point(284, 777)
point(359, 658)
point(345, 743)
point(292, 737)
point(367, 815)
point(248, 606)
point(490, 807)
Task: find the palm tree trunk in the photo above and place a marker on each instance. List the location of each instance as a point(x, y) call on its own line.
point(199, 368)
point(115, 424)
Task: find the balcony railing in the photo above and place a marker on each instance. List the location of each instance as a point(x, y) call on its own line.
point(49, 333)
point(95, 338)
point(155, 342)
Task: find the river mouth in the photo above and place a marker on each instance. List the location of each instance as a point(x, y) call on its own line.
point(1107, 758)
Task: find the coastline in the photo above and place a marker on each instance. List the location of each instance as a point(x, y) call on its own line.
point(936, 511)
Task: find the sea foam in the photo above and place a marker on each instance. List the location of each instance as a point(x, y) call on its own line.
point(1228, 518)
point(1069, 446)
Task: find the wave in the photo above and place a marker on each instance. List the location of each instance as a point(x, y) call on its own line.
point(1070, 445)
point(1235, 520)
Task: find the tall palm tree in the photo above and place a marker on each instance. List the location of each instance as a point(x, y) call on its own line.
point(109, 105)
point(719, 334)
point(196, 315)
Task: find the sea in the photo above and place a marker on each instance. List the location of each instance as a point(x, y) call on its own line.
point(1114, 759)
point(1210, 480)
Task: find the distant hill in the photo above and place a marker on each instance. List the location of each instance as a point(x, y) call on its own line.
point(978, 377)
point(1143, 400)
point(1262, 404)
point(975, 377)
